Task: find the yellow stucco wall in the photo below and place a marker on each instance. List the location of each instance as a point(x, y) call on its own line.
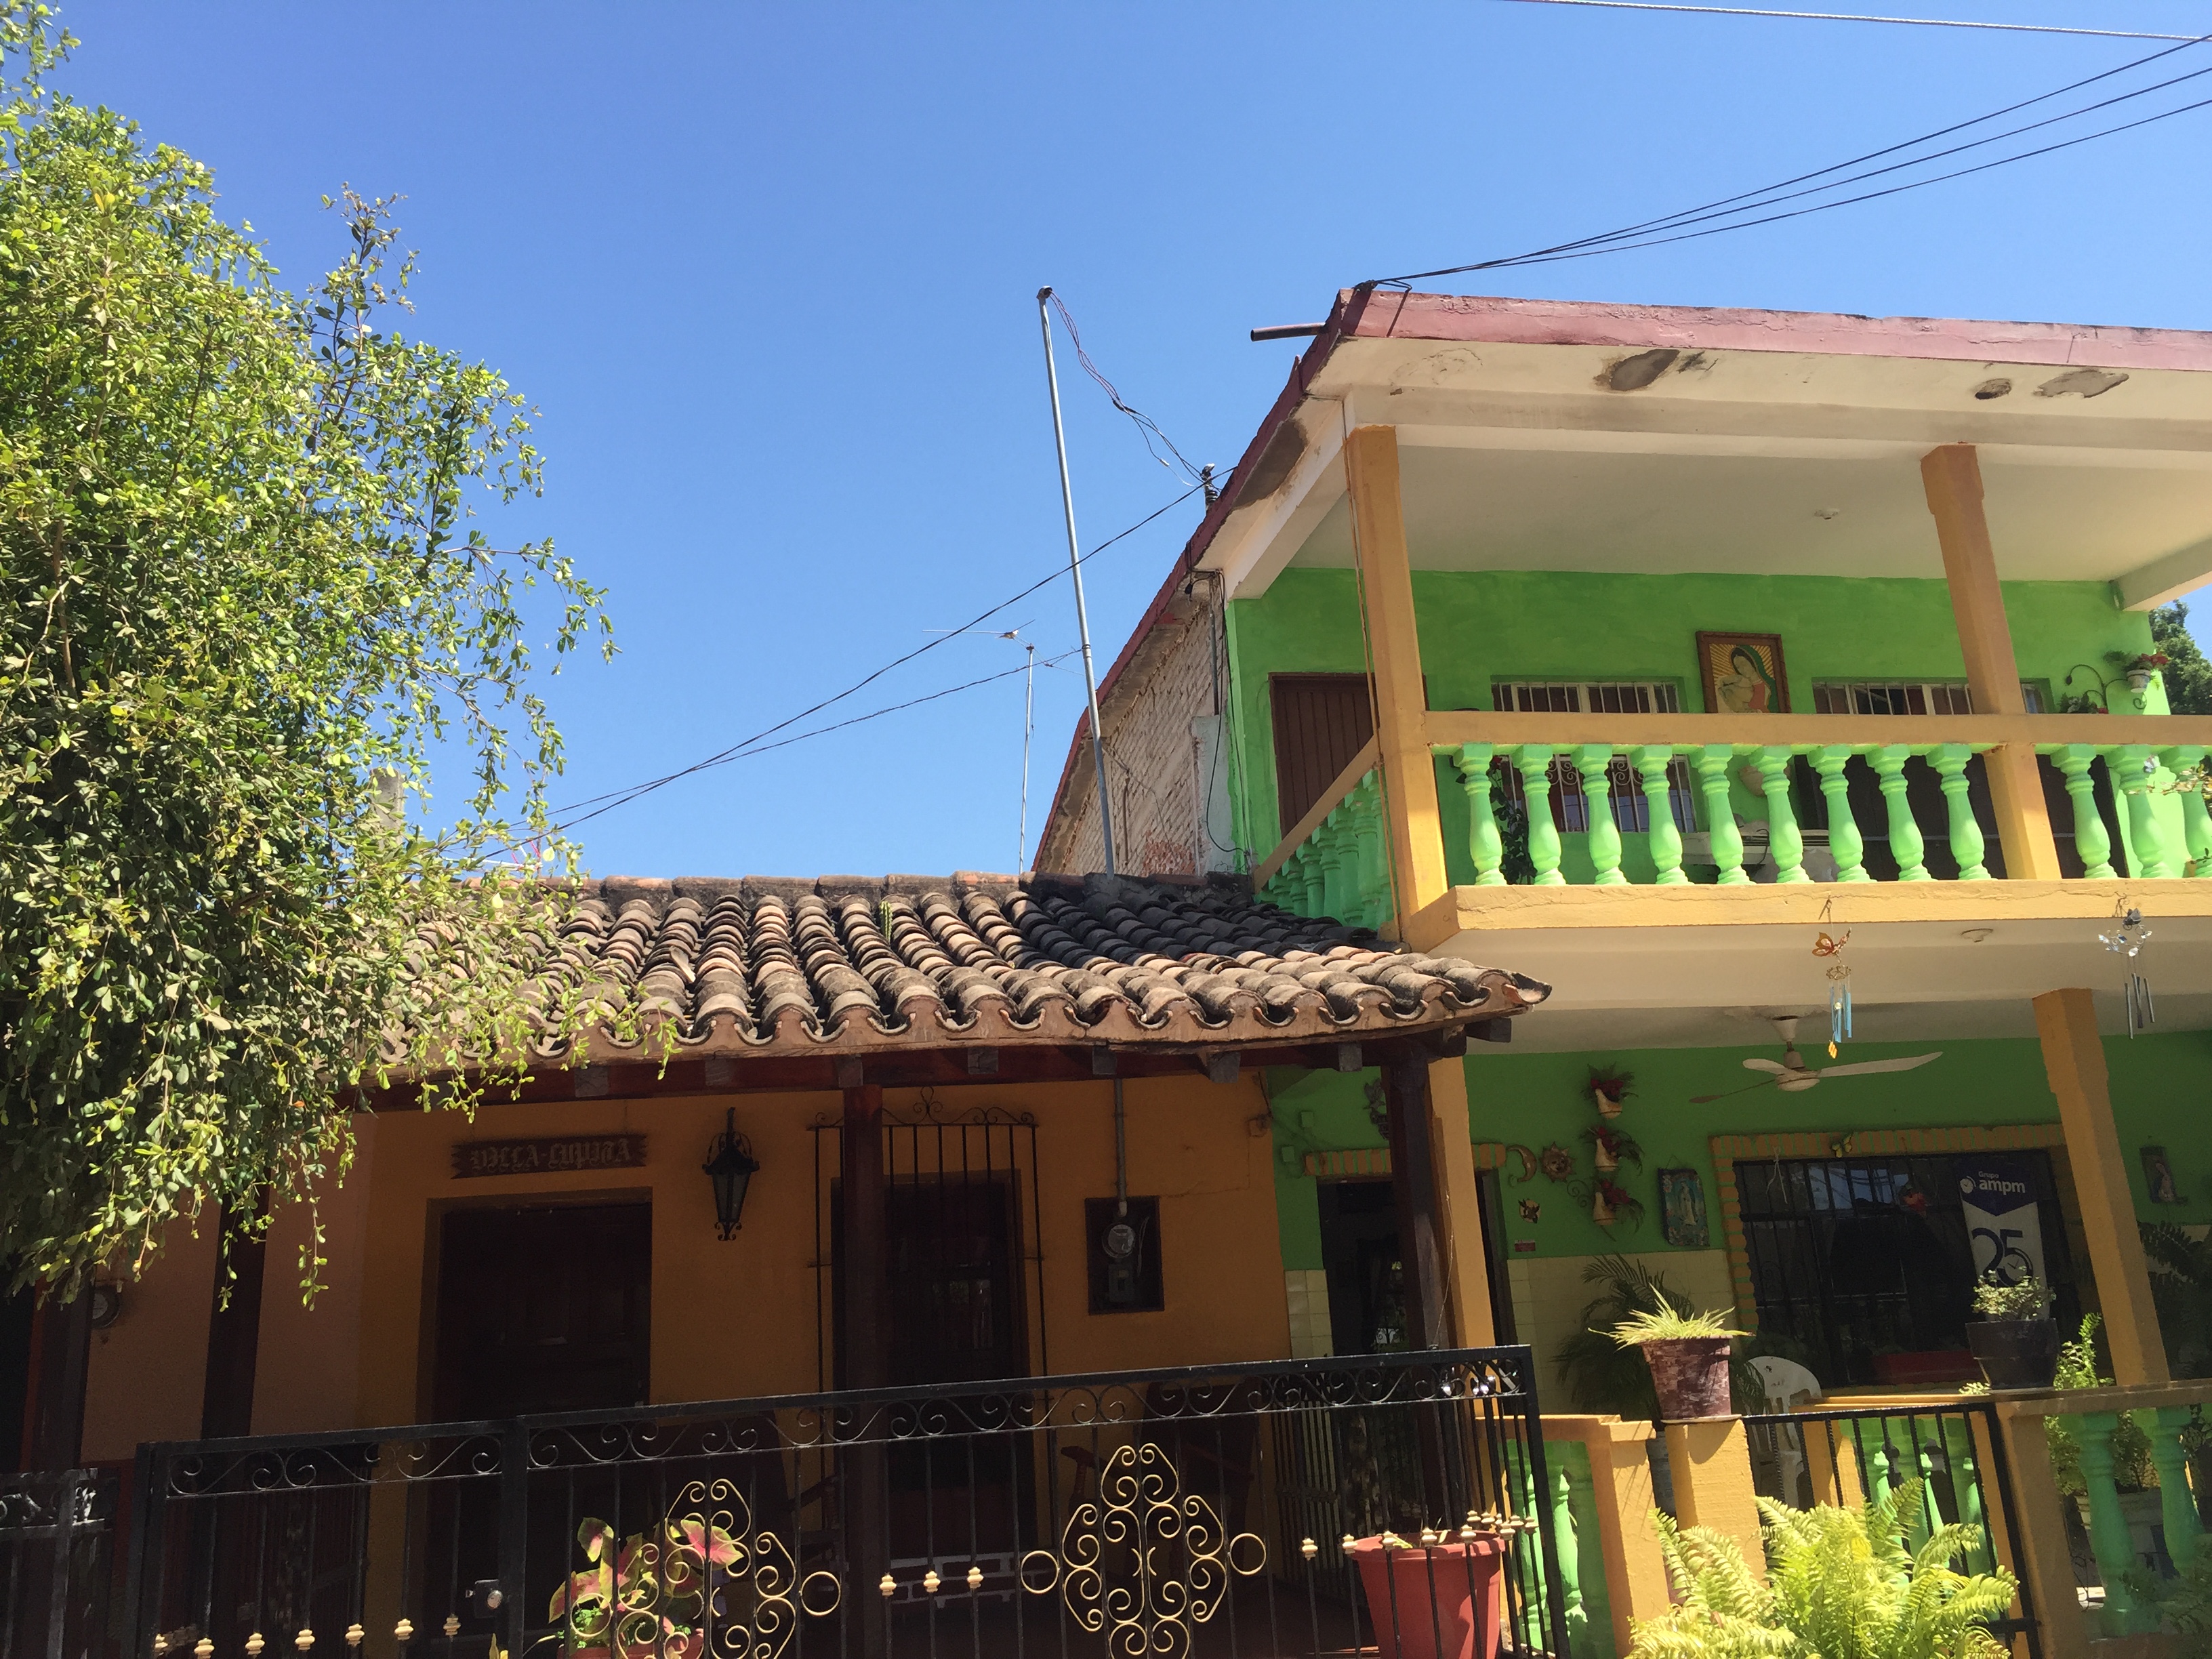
point(729, 1320)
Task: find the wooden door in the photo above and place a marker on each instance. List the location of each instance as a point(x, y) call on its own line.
point(543, 1308)
point(1320, 720)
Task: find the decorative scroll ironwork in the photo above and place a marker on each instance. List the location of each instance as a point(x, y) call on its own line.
point(1145, 1562)
point(703, 1584)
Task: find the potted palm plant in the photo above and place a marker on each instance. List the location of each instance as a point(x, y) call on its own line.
point(2016, 1341)
point(1688, 1354)
point(1435, 1597)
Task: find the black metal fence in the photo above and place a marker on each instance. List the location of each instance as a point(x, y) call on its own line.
point(1150, 1515)
point(1855, 1455)
point(56, 1564)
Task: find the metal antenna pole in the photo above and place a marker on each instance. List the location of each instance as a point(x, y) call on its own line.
point(1075, 570)
point(1029, 725)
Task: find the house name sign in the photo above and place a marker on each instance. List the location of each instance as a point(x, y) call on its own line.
point(547, 1155)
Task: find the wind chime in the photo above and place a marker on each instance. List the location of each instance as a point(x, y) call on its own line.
point(2127, 939)
point(1830, 949)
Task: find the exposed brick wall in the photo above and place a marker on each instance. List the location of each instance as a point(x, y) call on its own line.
point(1153, 761)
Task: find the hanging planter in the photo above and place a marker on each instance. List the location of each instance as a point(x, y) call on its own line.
point(2141, 670)
point(1609, 1088)
point(1610, 1148)
point(1610, 1202)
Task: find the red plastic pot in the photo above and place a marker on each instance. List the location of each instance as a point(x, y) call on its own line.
point(1690, 1376)
point(1432, 1601)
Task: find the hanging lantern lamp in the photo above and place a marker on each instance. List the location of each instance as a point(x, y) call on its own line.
point(730, 1166)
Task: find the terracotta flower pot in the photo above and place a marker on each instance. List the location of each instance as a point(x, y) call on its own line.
point(2015, 1353)
point(1438, 1602)
point(1690, 1374)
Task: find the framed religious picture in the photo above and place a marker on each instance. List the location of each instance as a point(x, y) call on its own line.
point(1743, 674)
point(2158, 1175)
point(1683, 1210)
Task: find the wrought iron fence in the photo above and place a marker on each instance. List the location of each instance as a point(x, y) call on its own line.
point(1853, 1456)
point(1150, 1515)
point(55, 1563)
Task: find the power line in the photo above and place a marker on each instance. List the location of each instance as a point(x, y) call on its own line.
point(754, 744)
point(1857, 17)
point(1624, 239)
point(1147, 429)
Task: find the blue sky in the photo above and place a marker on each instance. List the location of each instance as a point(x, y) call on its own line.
point(769, 275)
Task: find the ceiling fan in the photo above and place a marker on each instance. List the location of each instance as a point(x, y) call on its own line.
point(1792, 1075)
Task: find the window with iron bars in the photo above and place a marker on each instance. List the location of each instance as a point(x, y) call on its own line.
point(1905, 698)
point(1630, 808)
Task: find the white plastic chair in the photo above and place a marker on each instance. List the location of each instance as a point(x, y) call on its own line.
point(1787, 1386)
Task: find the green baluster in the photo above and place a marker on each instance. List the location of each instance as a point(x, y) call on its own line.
point(1597, 1601)
point(1311, 872)
point(2132, 769)
point(1570, 1554)
point(1844, 840)
point(1915, 1459)
point(1966, 844)
point(1967, 1488)
point(1336, 851)
point(1665, 836)
point(1904, 843)
point(2108, 1525)
point(1713, 762)
point(1484, 844)
point(1373, 866)
point(1784, 839)
point(2177, 1503)
point(1533, 762)
point(2091, 841)
point(2188, 763)
point(1595, 762)
point(1880, 1476)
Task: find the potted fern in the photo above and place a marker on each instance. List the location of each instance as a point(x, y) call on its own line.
point(1688, 1354)
point(2016, 1341)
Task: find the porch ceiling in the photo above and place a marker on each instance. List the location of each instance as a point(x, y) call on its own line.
point(1639, 439)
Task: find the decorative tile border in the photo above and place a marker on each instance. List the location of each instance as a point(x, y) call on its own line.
point(1852, 1142)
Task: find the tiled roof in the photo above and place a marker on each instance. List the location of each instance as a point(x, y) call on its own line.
point(856, 965)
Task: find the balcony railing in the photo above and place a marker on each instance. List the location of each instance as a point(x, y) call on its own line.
point(1673, 800)
point(1175, 1513)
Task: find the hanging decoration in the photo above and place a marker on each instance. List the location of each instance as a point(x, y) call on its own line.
point(2127, 939)
point(1609, 1088)
point(1608, 1202)
point(1528, 1157)
point(1531, 1211)
point(1830, 949)
point(1557, 1163)
point(1610, 1148)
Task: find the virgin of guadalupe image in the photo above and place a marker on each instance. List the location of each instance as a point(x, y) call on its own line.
point(1747, 688)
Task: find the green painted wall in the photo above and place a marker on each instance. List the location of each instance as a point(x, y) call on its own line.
point(2161, 1091)
point(1477, 626)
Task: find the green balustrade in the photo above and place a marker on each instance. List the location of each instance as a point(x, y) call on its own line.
point(2091, 841)
point(2135, 771)
point(1966, 843)
point(1533, 762)
point(2187, 765)
point(1713, 761)
point(1906, 845)
point(2108, 1523)
point(1594, 761)
point(1485, 846)
point(1652, 763)
point(1844, 840)
point(1785, 840)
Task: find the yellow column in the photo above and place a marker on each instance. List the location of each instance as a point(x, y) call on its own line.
point(2073, 1060)
point(1466, 1258)
point(1416, 834)
point(2046, 1566)
point(1393, 669)
point(1620, 1486)
point(1710, 1460)
point(1953, 479)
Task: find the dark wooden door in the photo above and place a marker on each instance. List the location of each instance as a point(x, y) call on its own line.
point(547, 1309)
point(1322, 721)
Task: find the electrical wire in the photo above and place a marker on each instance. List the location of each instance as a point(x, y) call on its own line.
point(1625, 238)
point(1857, 17)
point(754, 744)
point(1147, 428)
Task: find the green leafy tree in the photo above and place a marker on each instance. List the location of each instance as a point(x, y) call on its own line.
point(2188, 677)
point(246, 604)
